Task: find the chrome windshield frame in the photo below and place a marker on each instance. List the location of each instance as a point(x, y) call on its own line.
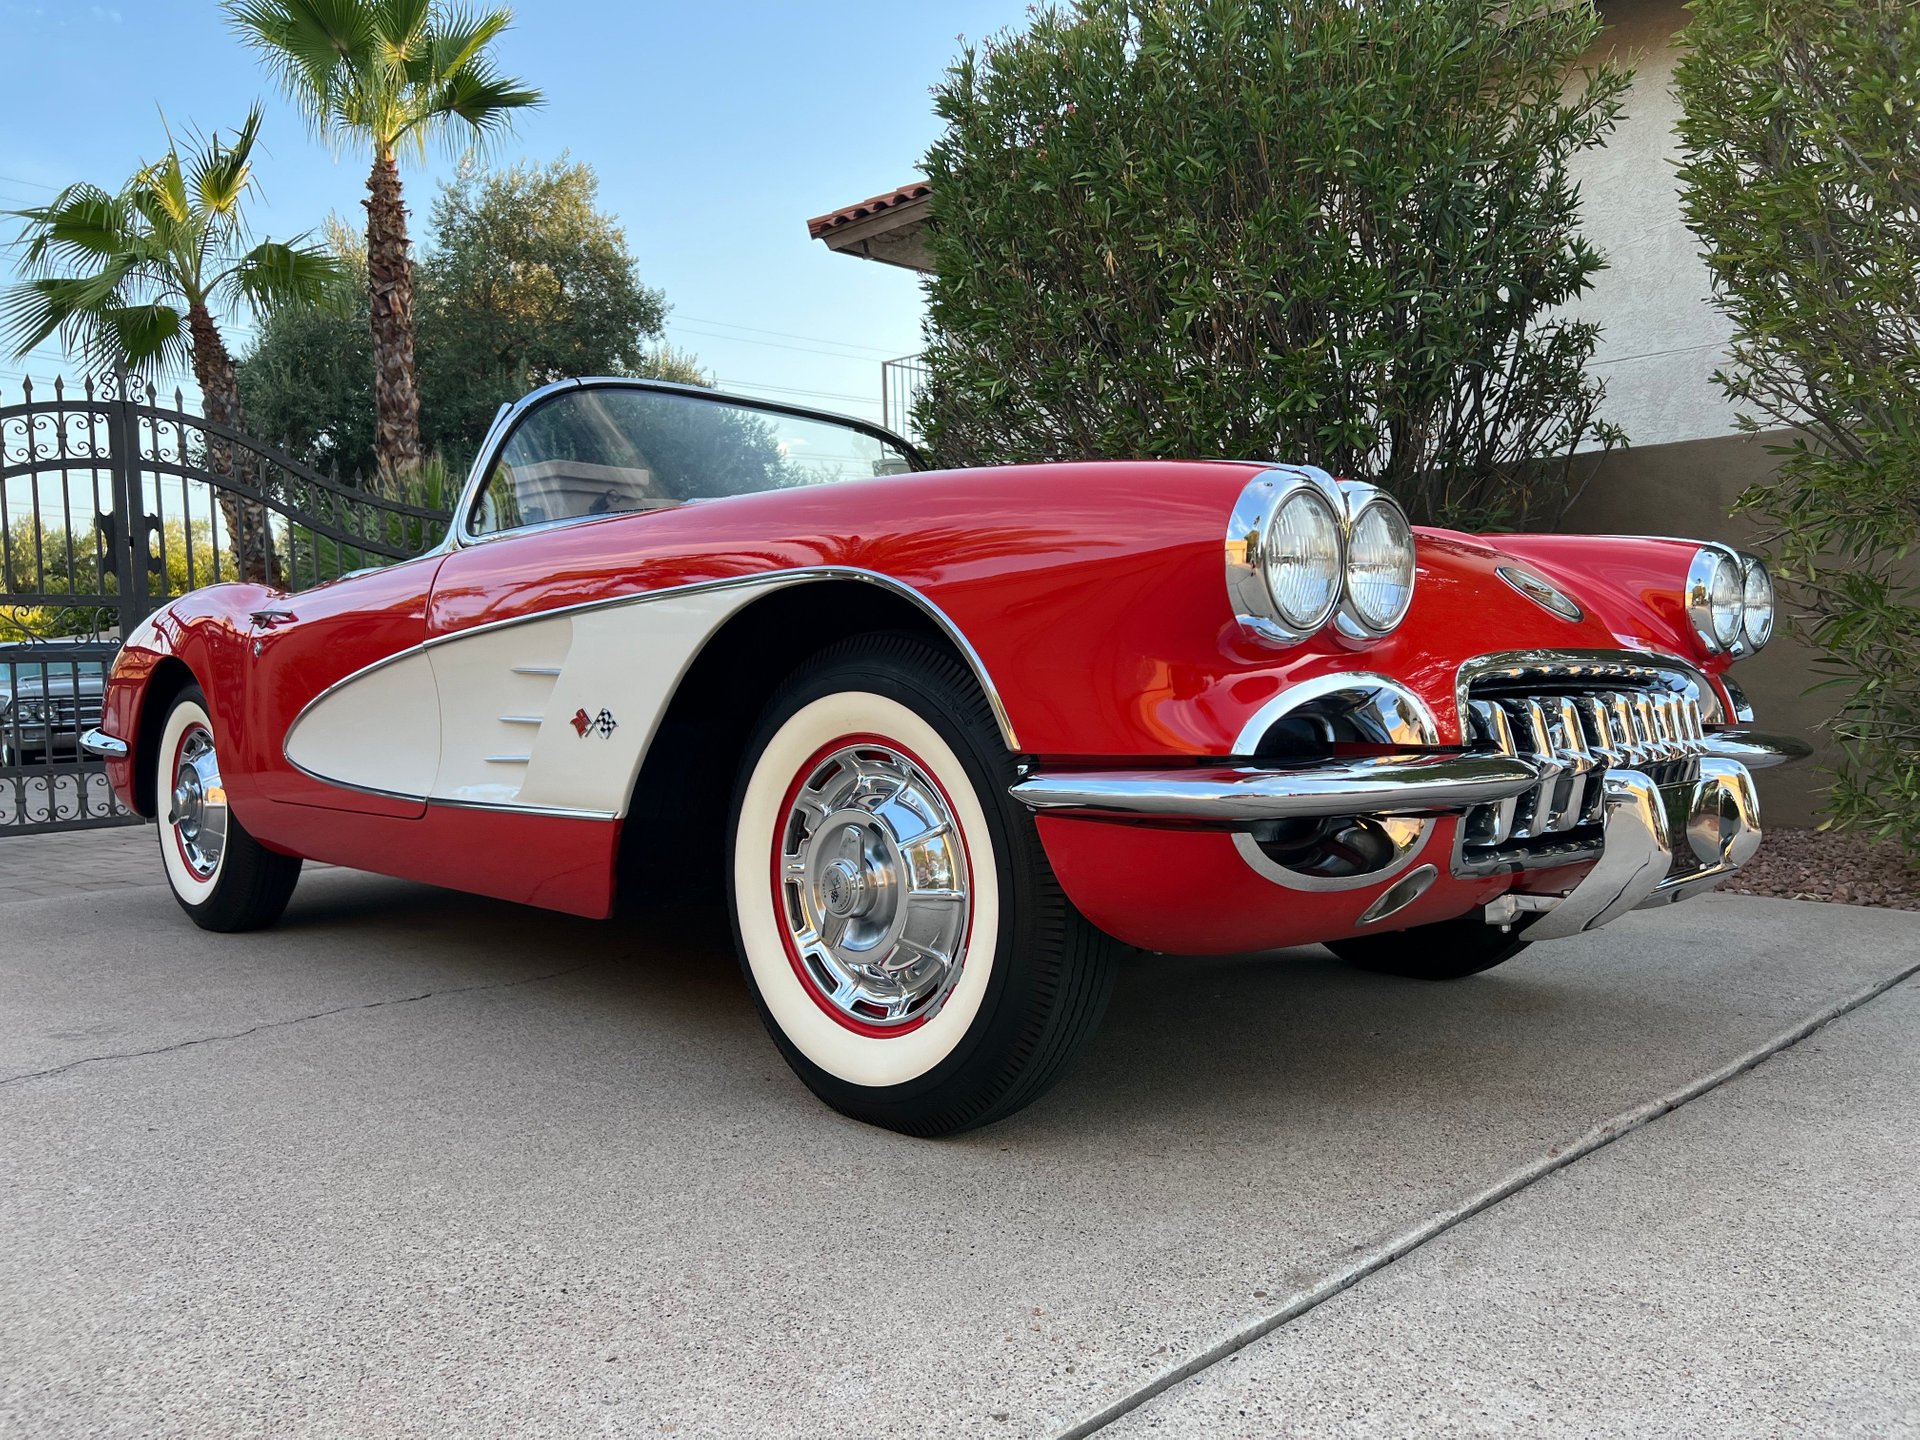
point(500, 432)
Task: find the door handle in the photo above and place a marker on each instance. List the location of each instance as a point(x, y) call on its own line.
point(267, 619)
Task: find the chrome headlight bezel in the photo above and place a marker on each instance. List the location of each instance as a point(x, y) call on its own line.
point(1755, 634)
point(1351, 621)
point(1247, 556)
point(1249, 553)
point(1711, 563)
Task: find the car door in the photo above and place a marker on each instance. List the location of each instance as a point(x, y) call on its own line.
point(341, 709)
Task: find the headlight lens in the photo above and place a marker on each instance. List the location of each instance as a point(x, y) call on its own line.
point(1726, 596)
point(1380, 566)
point(1303, 560)
point(1757, 625)
point(1716, 591)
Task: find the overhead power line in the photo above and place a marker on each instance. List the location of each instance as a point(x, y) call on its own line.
point(878, 351)
point(774, 345)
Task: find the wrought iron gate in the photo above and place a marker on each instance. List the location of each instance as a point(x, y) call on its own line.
point(112, 504)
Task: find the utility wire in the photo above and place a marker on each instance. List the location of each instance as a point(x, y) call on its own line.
point(790, 335)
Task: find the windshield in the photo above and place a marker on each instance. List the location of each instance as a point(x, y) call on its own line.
point(609, 450)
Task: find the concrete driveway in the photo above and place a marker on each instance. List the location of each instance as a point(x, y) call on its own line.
point(419, 1164)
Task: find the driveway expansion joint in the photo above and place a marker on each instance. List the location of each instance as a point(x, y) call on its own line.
point(266, 1025)
point(1556, 1158)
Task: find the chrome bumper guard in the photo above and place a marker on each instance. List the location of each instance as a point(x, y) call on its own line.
point(103, 746)
point(1655, 852)
point(1239, 796)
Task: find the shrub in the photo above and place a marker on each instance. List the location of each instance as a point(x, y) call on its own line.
point(1801, 134)
point(1317, 230)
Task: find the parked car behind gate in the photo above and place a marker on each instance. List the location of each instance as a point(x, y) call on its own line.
point(46, 705)
point(952, 737)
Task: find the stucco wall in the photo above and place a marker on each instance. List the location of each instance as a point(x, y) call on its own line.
point(1661, 338)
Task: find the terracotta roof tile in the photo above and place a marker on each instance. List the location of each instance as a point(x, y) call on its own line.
point(847, 215)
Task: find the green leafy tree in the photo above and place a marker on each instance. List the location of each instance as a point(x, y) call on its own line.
point(1801, 134)
point(307, 379)
point(53, 561)
point(1321, 231)
point(482, 340)
point(141, 276)
point(528, 281)
point(387, 77)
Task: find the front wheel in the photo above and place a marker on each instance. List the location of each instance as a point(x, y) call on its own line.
point(908, 946)
point(223, 878)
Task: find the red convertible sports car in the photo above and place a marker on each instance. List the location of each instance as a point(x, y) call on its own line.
point(952, 737)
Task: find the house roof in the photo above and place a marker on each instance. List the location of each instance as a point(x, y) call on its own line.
point(823, 225)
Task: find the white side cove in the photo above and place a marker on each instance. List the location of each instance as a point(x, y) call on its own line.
point(551, 713)
point(507, 698)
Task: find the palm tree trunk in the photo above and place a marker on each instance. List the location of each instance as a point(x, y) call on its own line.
point(396, 395)
point(249, 532)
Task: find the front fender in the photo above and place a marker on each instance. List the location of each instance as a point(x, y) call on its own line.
point(203, 635)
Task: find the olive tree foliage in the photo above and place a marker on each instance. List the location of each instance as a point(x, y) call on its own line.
point(1801, 174)
point(524, 280)
point(1313, 230)
point(527, 281)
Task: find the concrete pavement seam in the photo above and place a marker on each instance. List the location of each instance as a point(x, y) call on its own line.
point(1557, 1158)
point(282, 1024)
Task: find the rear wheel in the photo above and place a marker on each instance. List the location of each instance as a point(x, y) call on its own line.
point(908, 946)
point(1447, 950)
point(223, 878)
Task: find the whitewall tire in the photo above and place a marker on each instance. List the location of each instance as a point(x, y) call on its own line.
point(222, 877)
point(908, 947)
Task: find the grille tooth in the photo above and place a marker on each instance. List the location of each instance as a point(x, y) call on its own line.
point(1578, 731)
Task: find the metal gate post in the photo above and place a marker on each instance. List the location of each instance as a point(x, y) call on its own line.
point(133, 552)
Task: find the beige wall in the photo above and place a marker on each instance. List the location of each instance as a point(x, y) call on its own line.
point(1689, 489)
point(1661, 337)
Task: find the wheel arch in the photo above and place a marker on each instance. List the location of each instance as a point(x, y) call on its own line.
point(168, 678)
point(676, 820)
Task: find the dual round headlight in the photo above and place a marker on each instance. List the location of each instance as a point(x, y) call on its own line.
point(1730, 600)
point(1303, 551)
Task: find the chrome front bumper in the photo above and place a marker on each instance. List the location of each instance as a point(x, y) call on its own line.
point(1236, 796)
point(103, 746)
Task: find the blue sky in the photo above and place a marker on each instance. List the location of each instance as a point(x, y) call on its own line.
point(716, 128)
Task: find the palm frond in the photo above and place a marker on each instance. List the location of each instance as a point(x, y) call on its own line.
point(144, 338)
point(404, 27)
point(306, 46)
point(481, 97)
point(35, 310)
point(82, 226)
point(460, 37)
point(276, 273)
point(221, 174)
point(161, 190)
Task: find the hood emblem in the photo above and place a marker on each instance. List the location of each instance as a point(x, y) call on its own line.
point(1543, 594)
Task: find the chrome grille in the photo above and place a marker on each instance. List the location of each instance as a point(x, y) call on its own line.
point(1580, 729)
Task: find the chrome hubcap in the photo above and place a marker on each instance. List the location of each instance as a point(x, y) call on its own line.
point(873, 886)
point(199, 815)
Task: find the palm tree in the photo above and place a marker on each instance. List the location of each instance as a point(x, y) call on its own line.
point(387, 76)
point(138, 277)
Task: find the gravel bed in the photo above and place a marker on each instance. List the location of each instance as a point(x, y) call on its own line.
point(1800, 864)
